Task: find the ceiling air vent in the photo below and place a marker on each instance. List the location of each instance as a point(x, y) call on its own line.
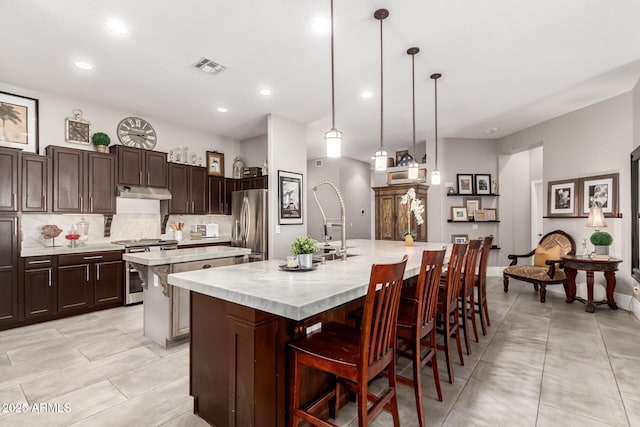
point(208, 66)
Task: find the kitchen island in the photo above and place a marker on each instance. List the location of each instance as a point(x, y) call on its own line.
point(166, 308)
point(243, 316)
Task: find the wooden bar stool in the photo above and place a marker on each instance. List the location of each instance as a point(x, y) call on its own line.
point(416, 320)
point(447, 316)
point(466, 298)
point(481, 285)
point(356, 356)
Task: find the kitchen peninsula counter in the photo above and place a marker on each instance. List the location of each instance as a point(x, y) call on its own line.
point(243, 316)
point(166, 309)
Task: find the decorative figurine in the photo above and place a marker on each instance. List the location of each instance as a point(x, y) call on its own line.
point(494, 187)
point(238, 168)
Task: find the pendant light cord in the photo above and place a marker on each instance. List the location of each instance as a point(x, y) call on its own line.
point(333, 89)
point(413, 102)
point(381, 93)
point(436, 117)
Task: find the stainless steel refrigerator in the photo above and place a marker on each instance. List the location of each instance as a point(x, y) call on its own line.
point(249, 212)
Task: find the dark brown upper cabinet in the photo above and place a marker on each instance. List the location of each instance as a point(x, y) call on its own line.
point(82, 181)
point(9, 180)
point(35, 182)
point(141, 167)
point(188, 188)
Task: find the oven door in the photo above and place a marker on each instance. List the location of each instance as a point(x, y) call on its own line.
point(133, 282)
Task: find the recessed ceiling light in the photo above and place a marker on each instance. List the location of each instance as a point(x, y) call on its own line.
point(84, 65)
point(265, 92)
point(222, 110)
point(366, 94)
point(320, 25)
point(492, 130)
point(117, 26)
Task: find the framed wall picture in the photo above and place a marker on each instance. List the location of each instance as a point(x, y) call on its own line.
point(215, 163)
point(19, 116)
point(492, 214)
point(472, 204)
point(481, 215)
point(399, 155)
point(459, 238)
point(76, 129)
point(602, 191)
point(465, 183)
point(482, 183)
point(562, 198)
point(459, 214)
point(289, 197)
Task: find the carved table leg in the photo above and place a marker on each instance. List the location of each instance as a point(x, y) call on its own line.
point(570, 288)
point(505, 282)
point(611, 286)
point(591, 307)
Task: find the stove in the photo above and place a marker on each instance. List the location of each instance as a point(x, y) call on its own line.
point(132, 281)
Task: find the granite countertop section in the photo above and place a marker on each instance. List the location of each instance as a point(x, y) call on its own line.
point(298, 295)
point(61, 250)
point(184, 255)
point(204, 241)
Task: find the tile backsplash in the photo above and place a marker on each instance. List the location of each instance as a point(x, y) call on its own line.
point(126, 225)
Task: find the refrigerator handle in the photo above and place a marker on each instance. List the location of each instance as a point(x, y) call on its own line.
point(244, 220)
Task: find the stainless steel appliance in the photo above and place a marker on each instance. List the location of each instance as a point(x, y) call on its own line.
point(249, 228)
point(132, 280)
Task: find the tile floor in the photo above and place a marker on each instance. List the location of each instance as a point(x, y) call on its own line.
point(547, 364)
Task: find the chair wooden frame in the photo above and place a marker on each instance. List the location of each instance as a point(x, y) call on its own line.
point(551, 270)
point(481, 285)
point(466, 300)
point(417, 320)
point(352, 355)
point(447, 318)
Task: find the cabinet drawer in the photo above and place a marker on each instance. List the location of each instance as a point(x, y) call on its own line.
point(200, 265)
point(38, 262)
point(89, 257)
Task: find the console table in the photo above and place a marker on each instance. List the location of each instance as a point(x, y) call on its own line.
point(573, 263)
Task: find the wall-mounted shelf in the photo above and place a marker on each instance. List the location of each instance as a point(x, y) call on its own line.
point(473, 194)
point(473, 222)
point(580, 216)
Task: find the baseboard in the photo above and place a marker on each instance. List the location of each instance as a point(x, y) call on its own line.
point(624, 301)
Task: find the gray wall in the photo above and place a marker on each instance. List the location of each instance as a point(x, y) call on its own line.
point(591, 141)
point(287, 151)
point(352, 177)
point(253, 151)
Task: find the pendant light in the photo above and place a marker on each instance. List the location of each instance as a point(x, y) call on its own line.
point(381, 154)
point(435, 175)
point(413, 167)
point(333, 137)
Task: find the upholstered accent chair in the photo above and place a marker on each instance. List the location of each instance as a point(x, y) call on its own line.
point(547, 265)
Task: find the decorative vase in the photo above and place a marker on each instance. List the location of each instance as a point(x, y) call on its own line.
point(101, 148)
point(601, 250)
point(305, 260)
point(408, 240)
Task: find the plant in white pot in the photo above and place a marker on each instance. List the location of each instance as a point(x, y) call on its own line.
point(414, 205)
point(304, 247)
point(601, 240)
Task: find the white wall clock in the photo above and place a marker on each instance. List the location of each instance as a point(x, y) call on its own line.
point(137, 132)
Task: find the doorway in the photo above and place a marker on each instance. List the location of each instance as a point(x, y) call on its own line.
point(537, 211)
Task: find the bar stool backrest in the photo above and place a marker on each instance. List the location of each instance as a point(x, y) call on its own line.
point(454, 273)
point(378, 331)
point(484, 261)
point(428, 284)
point(471, 260)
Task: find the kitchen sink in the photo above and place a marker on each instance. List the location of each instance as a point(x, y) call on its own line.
point(330, 256)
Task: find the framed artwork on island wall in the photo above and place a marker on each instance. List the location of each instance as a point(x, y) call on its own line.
point(465, 183)
point(600, 191)
point(459, 238)
point(562, 198)
point(472, 204)
point(482, 183)
point(459, 214)
point(19, 120)
point(289, 197)
point(215, 163)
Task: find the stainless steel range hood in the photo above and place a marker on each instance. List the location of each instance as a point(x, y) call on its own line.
point(139, 192)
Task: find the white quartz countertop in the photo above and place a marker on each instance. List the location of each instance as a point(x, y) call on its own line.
point(204, 241)
point(301, 294)
point(185, 255)
point(65, 249)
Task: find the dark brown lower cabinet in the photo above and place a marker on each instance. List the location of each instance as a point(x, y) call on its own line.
point(39, 284)
point(74, 287)
point(108, 283)
point(8, 269)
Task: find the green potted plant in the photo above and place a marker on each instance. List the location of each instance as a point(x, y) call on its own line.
point(601, 240)
point(101, 141)
point(304, 247)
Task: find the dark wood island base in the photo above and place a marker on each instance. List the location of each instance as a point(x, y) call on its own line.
point(238, 361)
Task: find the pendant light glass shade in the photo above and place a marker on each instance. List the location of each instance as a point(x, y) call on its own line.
point(413, 171)
point(381, 154)
point(381, 160)
point(333, 137)
point(333, 140)
point(435, 174)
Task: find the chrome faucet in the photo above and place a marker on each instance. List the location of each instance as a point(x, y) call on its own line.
point(332, 222)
